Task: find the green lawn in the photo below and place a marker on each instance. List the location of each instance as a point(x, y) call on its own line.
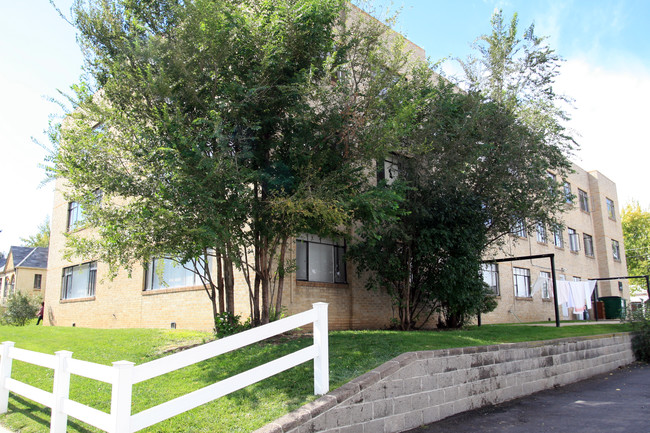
point(352, 353)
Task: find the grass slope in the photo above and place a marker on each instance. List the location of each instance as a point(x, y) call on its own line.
point(352, 353)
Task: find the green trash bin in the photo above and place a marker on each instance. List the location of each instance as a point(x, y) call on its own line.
point(614, 306)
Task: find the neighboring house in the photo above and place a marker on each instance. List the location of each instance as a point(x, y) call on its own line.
point(24, 271)
point(589, 246)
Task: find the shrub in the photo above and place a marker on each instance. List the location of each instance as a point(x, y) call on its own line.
point(640, 320)
point(226, 324)
point(20, 309)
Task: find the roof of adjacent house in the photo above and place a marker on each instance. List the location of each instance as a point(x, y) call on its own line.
point(29, 257)
point(3, 262)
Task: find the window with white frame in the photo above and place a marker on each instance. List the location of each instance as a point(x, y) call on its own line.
point(616, 250)
point(547, 284)
point(589, 244)
point(577, 279)
point(611, 210)
point(541, 233)
point(584, 200)
point(574, 241)
point(169, 274)
point(320, 259)
point(522, 282)
point(558, 239)
point(519, 229)
point(79, 281)
point(490, 273)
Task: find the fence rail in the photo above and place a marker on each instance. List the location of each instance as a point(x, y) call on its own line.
point(124, 374)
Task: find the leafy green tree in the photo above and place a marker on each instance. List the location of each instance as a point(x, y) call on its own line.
point(216, 131)
point(40, 238)
point(636, 236)
point(477, 164)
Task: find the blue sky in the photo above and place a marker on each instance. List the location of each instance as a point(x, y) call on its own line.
point(606, 45)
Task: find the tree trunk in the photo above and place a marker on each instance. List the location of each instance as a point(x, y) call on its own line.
point(281, 272)
point(220, 283)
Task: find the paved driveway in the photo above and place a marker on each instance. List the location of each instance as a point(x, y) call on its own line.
point(610, 403)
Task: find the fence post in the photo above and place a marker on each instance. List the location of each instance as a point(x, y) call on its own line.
point(121, 396)
point(5, 373)
point(60, 392)
point(321, 361)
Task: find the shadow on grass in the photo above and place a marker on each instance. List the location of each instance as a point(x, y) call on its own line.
point(41, 414)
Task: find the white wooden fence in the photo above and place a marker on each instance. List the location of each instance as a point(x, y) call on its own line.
point(123, 375)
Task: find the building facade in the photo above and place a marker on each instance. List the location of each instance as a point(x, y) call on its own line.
point(590, 245)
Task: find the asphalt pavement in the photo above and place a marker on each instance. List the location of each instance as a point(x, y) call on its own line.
point(613, 402)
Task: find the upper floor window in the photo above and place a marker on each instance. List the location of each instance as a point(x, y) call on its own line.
point(320, 259)
point(568, 197)
point(547, 284)
point(558, 240)
point(37, 281)
point(490, 273)
point(541, 233)
point(584, 200)
point(611, 210)
point(75, 215)
point(589, 244)
point(616, 250)
point(522, 282)
point(169, 274)
point(388, 170)
point(574, 241)
point(79, 281)
point(519, 229)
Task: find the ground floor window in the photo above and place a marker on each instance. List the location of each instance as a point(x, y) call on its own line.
point(547, 284)
point(522, 282)
point(320, 259)
point(37, 281)
point(169, 274)
point(491, 276)
point(79, 281)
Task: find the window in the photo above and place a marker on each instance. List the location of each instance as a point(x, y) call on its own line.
point(75, 215)
point(574, 241)
point(389, 170)
point(589, 244)
point(558, 240)
point(37, 281)
point(611, 211)
point(616, 250)
point(169, 274)
point(519, 229)
point(568, 197)
point(577, 279)
point(320, 259)
point(584, 200)
point(522, 282)
point(541, 233)
point(490, 273)
point(79, 281)
point(547, 284)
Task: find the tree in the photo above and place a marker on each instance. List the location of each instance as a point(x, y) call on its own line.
point(476, 165)
point(20, 309)
point(42, 236)
point(636, 236)
point(222, 129)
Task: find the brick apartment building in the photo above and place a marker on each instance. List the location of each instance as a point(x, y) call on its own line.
point(589, 246)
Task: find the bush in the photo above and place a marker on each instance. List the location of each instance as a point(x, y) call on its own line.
point(226, 324)
point(20, 309)
point(640, 320)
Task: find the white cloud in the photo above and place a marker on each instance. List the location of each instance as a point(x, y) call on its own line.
point(611, 117)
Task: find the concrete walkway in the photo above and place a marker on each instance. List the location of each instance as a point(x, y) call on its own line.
point(609, 403)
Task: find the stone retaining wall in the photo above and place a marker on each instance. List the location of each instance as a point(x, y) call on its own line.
point(419, 388)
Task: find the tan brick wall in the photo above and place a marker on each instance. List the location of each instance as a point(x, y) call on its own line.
point(568, 264)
